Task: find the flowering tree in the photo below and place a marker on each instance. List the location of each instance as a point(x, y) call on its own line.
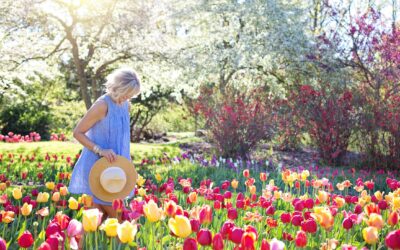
point(89, 37)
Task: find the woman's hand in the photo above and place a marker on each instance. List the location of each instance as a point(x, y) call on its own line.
point(109, 154)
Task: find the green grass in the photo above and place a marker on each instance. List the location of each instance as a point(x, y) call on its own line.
point(72, 148)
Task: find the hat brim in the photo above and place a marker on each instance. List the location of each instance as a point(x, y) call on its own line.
point(99, 166)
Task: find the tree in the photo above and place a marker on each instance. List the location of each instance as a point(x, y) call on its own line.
point(92, 37)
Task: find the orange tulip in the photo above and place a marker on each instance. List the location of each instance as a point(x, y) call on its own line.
point(192, 197)
point(323, 216)
point(340, 201)
point(393, 218)
point(234, 184)
point(375, 220)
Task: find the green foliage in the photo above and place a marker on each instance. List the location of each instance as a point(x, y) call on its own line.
point(173, 118)
point(25, 117)
point(66, 116)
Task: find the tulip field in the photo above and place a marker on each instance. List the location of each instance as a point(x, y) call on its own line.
point(190, 201)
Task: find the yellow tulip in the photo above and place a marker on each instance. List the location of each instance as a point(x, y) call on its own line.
point(304, 175)
point(158, 177)
point(50, 185)
point(55, 197)
point(323, 216)
point(180, 226)
point(42, 197)
point(378, 195)
point(91, 219)
point(152, 211)
point(375, 220)
point(370, 235)
point(26, 209)
point(126, 232)
point(140, 180)
point(3, 186)
point(63, 191)
point(396, 203)
point(142, 191)
point(234, 184)
point(322, 196)
point(17, 193)
point(110, 227)
point(277, 194)
point(73, 203)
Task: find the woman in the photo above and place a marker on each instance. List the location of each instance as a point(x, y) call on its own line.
point(104, 131)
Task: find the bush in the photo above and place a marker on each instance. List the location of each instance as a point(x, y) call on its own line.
point(379, 135)
point(25, 117)
point(329, 117)
point(237, 121)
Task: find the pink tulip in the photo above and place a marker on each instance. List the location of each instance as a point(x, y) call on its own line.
point(74, 228)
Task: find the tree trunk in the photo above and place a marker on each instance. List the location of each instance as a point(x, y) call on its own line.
point(80, 70)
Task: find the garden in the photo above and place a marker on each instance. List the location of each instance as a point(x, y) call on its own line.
point(259, 125)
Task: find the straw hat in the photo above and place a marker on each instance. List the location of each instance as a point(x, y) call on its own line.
point(109, 181)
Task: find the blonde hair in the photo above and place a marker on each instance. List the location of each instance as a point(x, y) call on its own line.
point(121, 81)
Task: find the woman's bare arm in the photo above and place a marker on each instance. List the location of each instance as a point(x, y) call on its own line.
point(97, 112)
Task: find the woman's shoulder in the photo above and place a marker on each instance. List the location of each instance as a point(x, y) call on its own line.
point(99, 107)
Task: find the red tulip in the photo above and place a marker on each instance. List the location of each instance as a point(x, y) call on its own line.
point(246, 173)
point(358, 209)
point(54, 240)
point(263, 176)
point(34, 192)
point(25, 240)
point(392, 240)
point(232, 213)
point(382, 204)
point(204, 237)
point(309, 203)
point(117, 205)
point(347, 223)
point(236, 235)
point(227, 195)
point(217, 242)
point(226, 229)
point(190, 244)
point(270, 210)
point(309, 226)
point(296, 220)
point(251, 229)
point(195, 224)
point(3, 244)
point(264, 245)
point(285, 218)
point(52, 228)
point(239, 203)
point(248, 241)
point(393, 218)
point(301, 239)
point(217, 205)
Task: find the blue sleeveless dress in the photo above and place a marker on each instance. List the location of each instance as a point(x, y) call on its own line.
point(111, 132)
